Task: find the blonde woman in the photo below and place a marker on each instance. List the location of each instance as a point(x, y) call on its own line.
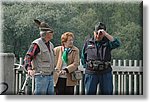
point(67, 61)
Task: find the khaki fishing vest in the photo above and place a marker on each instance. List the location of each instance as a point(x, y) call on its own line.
point(44, 61)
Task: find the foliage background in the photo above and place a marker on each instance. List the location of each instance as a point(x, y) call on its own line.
point(123, 20)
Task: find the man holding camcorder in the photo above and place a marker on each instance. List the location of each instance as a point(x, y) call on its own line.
point(96, 57)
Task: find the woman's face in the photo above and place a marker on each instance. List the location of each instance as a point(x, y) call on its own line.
point(69, 42)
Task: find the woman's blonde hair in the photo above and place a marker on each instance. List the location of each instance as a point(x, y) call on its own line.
point(64, 37)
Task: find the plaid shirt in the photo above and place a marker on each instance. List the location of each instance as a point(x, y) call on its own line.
point(31, 54)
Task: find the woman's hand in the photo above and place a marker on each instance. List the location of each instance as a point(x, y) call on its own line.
point(62, 72)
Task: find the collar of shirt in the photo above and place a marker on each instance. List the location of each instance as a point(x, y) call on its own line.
point(46, 43)
point(67, 50)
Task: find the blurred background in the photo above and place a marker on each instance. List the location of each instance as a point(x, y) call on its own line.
point(123, 20)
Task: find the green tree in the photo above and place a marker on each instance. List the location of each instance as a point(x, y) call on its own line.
point(123, 20)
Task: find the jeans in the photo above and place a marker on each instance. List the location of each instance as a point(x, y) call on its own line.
point(104, 80)
point(44, 85)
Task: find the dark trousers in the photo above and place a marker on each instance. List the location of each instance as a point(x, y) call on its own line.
point(62, 89)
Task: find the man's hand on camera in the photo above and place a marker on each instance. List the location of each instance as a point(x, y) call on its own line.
point(108, 36)
point(105, 33)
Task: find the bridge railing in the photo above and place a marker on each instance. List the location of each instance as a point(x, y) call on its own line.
point(127, 78)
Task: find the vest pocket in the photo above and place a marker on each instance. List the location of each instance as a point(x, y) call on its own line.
point(91, 47)
point(91, 52)
point(45, 56)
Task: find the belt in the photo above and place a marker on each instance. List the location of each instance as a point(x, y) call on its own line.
point(44, 73)
point(97, 69)
point(98, 65)
point(101, 62)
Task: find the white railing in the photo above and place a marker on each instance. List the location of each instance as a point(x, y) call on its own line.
point(127, 78)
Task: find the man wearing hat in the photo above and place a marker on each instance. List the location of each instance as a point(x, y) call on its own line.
point(39, 60)
point(96, 57)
